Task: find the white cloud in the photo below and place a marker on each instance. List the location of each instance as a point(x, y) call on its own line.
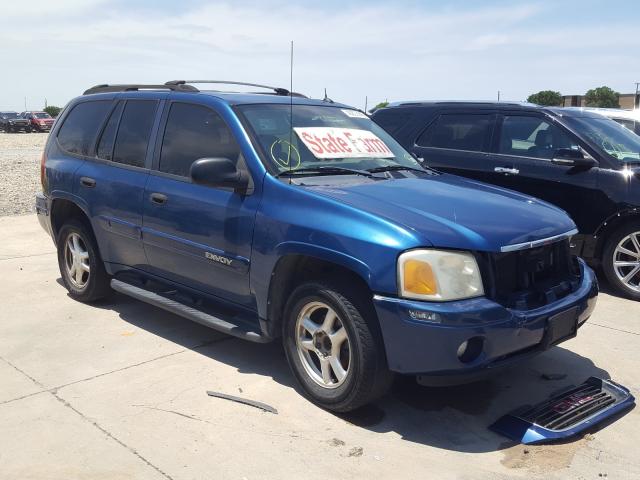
point(43, 8)
point(379, 50)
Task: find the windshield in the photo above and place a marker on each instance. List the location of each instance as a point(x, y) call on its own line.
point(42, 115)
point(322, 137)
point(9, 115)
point(616, 140)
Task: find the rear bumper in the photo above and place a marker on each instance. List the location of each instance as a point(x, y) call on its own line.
point(42, 212)
point(430, 347)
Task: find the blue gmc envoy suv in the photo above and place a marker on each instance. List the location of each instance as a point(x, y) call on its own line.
point(271, 215)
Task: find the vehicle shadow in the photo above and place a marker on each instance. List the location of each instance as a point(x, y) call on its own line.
point(451, 418)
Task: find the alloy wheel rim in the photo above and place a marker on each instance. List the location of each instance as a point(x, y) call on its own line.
point(323, 345)
point(76, 260)
point(626, 261)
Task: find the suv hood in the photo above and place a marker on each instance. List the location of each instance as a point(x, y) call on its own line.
point(453, 212)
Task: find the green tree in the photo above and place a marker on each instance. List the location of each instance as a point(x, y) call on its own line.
point(378, 106)
point(547, 98)
point(603, 97)
point(52, 110)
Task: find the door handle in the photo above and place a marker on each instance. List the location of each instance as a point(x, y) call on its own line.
point(87, 182)
point(158, 198)
point(507, 170)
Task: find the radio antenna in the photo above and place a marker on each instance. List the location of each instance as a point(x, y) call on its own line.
point(290, 110)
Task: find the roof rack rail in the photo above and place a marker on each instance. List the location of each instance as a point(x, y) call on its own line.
point(105, 88)
point(277, 90)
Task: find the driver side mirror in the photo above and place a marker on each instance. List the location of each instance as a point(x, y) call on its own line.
point(219, 172)
point(570, 157)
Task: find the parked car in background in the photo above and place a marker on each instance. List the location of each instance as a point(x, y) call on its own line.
point(12, 122)
point(578, 160)
point(39, 121)
point(626, 118)
point(273, 216)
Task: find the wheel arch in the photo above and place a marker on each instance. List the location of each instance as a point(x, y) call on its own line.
point(294, 268)
point(63, 209)
point(610, 225)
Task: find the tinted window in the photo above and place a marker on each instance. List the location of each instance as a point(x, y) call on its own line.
point(80, 128)
point(105, 145)
point(630, 124)
point(194, 132)
point(392, 120)
point(458, 131)
point(134, 131)
point(532, 137)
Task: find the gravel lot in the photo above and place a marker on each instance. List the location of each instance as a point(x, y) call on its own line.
point(20, 171)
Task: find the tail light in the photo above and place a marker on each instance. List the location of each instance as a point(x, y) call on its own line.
point(43, 173)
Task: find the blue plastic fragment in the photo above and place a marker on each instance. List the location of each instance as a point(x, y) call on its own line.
point(535, 424)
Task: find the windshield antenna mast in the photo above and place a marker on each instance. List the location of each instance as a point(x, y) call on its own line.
point(290, 110)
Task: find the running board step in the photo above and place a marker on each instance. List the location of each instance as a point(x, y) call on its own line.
point(223, 325)
point(566, 413)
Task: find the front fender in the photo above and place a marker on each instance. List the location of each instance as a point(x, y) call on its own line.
point(327, 254)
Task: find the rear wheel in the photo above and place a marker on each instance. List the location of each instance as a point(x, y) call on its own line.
point(334, 353)
point(81, 267)
point(621, 260)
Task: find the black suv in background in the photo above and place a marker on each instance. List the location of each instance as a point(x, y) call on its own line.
point(12, 122)
point(580, 161)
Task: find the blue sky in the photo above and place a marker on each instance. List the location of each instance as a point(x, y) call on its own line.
point(384, 50)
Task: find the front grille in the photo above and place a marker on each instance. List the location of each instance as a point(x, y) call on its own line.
point(527, 279)
point(570, 408)
point(566, 413)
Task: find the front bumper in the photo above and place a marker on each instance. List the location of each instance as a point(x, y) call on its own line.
point(431, 347)
point(18, 126)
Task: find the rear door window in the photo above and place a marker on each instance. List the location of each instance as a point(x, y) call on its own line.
point(531, 136)
point(134, 131)
point(80, 128)
point(470, 132)
point(193, 132)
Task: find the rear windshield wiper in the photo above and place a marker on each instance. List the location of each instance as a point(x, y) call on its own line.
point(326, 171)
point(395, 168)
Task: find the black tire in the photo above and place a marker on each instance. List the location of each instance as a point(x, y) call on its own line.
point(367, 377)
point(608, 260)
point(96, 281)
point(28, 129)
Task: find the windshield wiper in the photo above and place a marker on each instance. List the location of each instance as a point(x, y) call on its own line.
point(395, 168)
point(326, 171)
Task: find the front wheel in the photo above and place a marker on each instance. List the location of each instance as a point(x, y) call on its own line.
point(621, 260)
point(81, 267)
point(335, 354)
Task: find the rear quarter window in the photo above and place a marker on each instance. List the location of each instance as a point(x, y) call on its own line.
point(457, 131)
point(80, 128)
point(392, 120)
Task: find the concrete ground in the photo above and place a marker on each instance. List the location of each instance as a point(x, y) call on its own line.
point(118, 390)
